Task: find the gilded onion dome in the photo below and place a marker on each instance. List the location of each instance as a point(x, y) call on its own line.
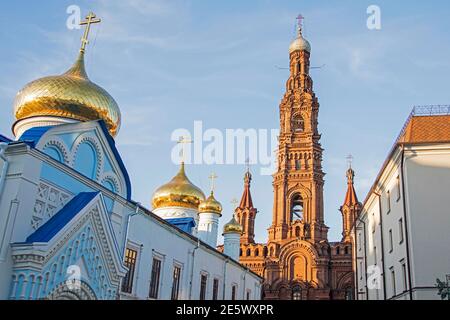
point(232, 226)
point(178, 192)
point(300, 43)
point(210, 205)
point(65, 97)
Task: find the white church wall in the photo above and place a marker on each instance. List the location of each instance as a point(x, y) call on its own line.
point(154, 238)
point(428, 184)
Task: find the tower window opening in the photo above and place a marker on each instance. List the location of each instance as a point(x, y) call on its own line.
point(297, 208)
point(298, 123)
point(297, 293)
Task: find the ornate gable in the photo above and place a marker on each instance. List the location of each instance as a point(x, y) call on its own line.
point(74, 254)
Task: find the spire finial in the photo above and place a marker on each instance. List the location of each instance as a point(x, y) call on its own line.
point(212, 177)
point(349, 161)
point(183, 140)
point(91, 18)
point(234, 202)
point(300, 19)
point(350, 173)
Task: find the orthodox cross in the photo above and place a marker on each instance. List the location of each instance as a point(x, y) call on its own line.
point(234, 203)
point(349, 160)
point(300, 19)
point(247, 164)
point(91, 18)
point(212, 177)
point(183, 140)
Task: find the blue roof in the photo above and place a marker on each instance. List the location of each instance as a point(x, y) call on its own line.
point(4, 139)
point(49, 229)
point(185, 224)
point(33, 135)
point(112, 144)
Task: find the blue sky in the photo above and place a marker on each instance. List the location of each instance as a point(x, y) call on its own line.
point(169, 63)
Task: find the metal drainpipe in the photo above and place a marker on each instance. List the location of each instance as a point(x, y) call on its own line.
point(3, 147)
point(192, 268)
point(224, 278)
point(382, 244)
point(128, 229)
point(406, 223)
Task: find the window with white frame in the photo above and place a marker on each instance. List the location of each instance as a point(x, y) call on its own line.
point(400, 230)
point(393, 282)
point(405, 283)
point(176, 276)
point(203, 284)
point(398, 188)
point(155, 277)
point(391, 242)
point(130, 263)
point(388, 201)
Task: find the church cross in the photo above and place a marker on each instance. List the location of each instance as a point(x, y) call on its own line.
point(300, 19)
point(349, 160)
point(212, 177)
point(247, 164)
point(184, 141)
point(91, 18)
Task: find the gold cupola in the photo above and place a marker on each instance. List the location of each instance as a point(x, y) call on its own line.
point(210, 205)
point(66, 98)
point(232, 226)
point(178, 192)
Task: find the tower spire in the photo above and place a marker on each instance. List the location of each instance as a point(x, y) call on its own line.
point(351, 207)
point(246, 213)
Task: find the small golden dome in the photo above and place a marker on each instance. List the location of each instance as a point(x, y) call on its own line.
point(70, 95)
point(232, 226)
point(210, 205)
point(178, 192)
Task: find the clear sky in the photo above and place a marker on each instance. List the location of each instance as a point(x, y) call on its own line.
point(169, 63)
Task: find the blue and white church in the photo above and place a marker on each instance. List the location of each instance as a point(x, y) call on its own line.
point(69, 228)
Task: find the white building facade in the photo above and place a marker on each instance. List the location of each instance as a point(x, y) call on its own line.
point(69, 228)
point(401, 237)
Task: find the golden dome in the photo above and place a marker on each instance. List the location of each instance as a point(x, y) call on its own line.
point(232, 226)
point(178, 192)
point(70, 95)
point(210, 205)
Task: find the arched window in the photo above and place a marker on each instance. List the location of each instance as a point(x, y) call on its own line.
point(297, 208)
point(248, 253)
point(297, 231)
point(346, 250)
point(86, 160)
point(297, 293)
point(297, 165)
point(54, 152)
point(240, 252)
point(337, 250)
point(265, 252)
point(298, 123)
point(256, 252)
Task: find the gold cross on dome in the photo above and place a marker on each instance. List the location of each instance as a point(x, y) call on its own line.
point(91, 18)
point(212, 177)
point(184, 141)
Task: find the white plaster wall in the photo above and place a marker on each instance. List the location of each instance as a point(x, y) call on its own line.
point(428, 194)
point(153, 237)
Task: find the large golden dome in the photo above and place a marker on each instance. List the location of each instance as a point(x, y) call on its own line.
point(69, 96)
point(210, 205)
point(178, 192)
